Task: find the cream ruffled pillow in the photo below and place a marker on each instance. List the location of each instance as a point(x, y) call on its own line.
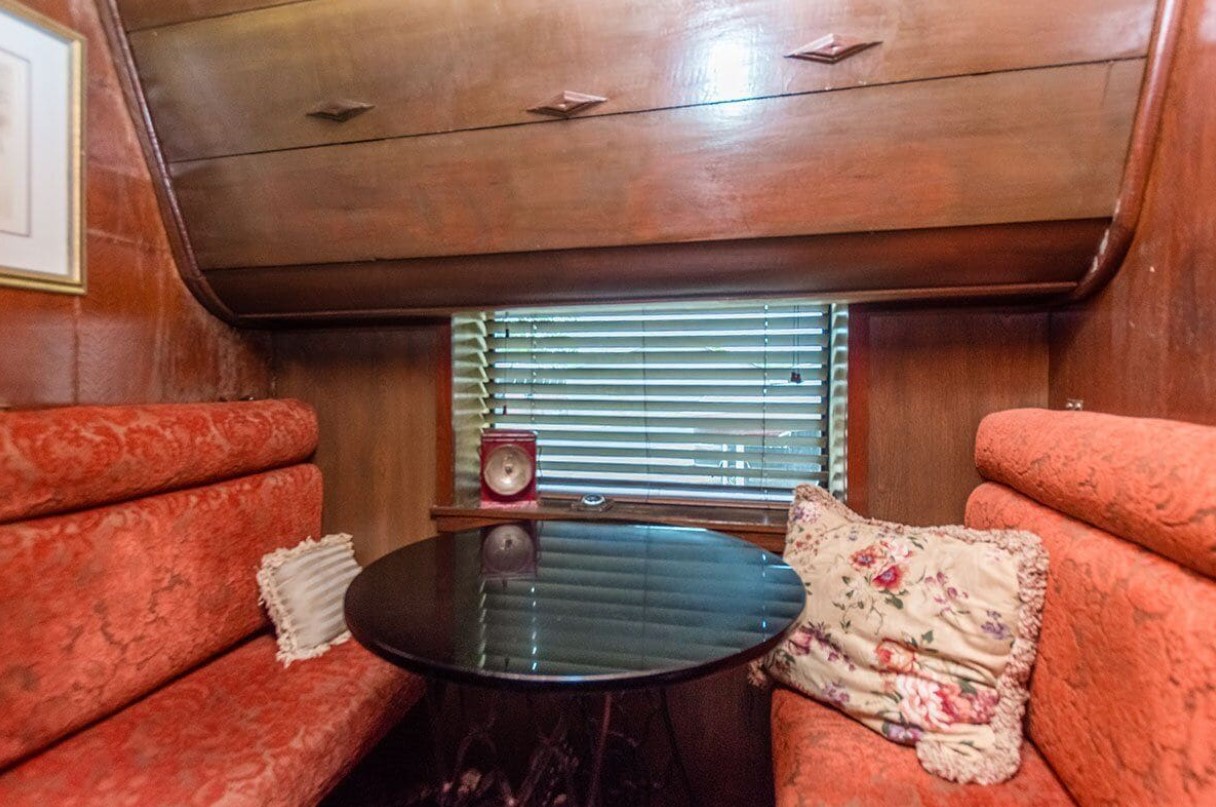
point(303, 589)
point(926, 635)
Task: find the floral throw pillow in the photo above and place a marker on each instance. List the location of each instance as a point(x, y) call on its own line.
point(924, 634)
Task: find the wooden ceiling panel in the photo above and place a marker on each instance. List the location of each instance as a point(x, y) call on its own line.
point(139, 14)
point(1008, 147)
point(243, 83)
point(345, 159)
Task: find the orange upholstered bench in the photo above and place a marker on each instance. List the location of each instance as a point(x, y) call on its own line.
point(136, 666)
point(1123, 696)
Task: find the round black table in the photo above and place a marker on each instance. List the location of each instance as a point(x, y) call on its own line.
point(574, 606)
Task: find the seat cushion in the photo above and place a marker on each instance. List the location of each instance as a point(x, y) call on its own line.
point(1122, 700)
point(1152, 482)
point(239, 731)
point(103, 606)
point(825, 759)
point(56, 460)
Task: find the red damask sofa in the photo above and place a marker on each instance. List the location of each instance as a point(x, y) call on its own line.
point(136, 667)
point(1123, 696)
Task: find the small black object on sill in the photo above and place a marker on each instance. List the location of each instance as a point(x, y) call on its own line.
point(592, 503)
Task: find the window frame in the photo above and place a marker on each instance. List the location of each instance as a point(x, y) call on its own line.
point(763, 521)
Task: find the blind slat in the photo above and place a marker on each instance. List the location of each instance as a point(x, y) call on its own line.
point(757, 455)
point(700, 423)
point(580, 484)
point(560, 440)
point(663, 407)
point(685, 378)
point(675, 474)
point(556, 390)
point(666, 312)
point(804, 324)
point(711, 360)
point(629, 382)
point(767, 342)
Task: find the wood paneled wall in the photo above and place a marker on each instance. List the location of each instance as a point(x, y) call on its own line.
point(928, 378)
point(1146, 345)
point(138, 335)
point(377, 402)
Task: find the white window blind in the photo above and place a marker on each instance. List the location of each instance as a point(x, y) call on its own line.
point(717, 401)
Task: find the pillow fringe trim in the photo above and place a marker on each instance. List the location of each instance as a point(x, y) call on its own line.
point(268, 596)
point(1005, 757)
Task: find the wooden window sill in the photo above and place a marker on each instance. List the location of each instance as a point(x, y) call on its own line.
point(763, 526)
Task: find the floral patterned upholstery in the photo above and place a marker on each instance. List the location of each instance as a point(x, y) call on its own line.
point(1148, 481)
point(822, 758)
point(239, 731)
point(109, 611)
point(103, 605)
point(54, 460)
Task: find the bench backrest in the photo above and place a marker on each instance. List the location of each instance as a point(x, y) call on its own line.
point(129, 540)
point(1123, 696)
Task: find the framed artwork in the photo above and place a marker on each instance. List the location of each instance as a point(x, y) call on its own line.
point(41, 152)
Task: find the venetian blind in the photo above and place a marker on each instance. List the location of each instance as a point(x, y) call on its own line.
point(659, 402)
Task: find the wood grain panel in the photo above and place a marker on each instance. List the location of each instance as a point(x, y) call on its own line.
point(932, 376)
point(1017, 259)
point(1028, 146)
point(138, 14)
point(1146, 345)
point(242, 83)
point(137, 336)
point(38, 357)
point(375, 395)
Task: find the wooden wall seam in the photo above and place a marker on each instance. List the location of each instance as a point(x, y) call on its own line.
point(166, 196)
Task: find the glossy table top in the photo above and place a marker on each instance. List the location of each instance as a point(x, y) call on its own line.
point(574, 605)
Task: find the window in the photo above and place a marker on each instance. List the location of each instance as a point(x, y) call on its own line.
point(705, 401)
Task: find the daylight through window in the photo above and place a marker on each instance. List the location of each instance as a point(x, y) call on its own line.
point(713, 401)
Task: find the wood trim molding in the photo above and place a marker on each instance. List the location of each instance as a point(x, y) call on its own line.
point(762, 526)
point(1036, 259)
point(1141, 152)
point(445, 438)
point(857, 451)
point(137, 107)
point(149, 14)
point(1014, 293)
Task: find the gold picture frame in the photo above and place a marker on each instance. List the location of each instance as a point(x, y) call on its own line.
point(41, 152)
